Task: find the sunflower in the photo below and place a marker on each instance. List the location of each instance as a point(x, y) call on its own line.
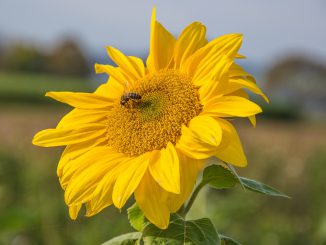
point(153, 144)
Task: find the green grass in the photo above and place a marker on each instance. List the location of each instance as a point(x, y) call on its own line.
point(29, 88)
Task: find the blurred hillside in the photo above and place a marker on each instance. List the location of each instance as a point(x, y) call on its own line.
point(300, 83)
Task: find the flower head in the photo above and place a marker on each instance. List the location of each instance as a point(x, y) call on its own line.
point(148, 131)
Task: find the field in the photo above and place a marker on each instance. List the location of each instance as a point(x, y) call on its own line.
point(289, 155)
point(30, 88)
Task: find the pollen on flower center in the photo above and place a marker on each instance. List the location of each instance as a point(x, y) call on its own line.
point(169, 100)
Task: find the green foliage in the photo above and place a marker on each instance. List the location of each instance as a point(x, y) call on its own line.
point(125, 239)
point(181, 231)
point(136, 217)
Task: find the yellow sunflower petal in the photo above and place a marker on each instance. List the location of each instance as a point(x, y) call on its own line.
point(239, 93)
point(68, 136)
point(164, 167)
point(161, 46)
point(132, 67)
point(73, 159)
point(201, 64)
point(89, 209)
point(112, 89)
point(248, 84)
point(129, 179)
point(71, 152)
point(189, 170)
point(113, 72)
point(103, 193)
point(102, 196)
point(240, 56)
point(237, 71)
point(191, 39)
point(230, 150)
point(201, 139)
point(212, 87)
point(252, 120)
point(81, 100)
point(230, 106)
point(80, 117)
point(152, 200)
point(214, 68)
point(74, 210)
point(243, 94)
point(94, 165)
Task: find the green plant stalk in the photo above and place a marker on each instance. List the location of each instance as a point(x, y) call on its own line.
point(192, 199)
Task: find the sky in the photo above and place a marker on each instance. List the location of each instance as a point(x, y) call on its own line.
point(271, 28)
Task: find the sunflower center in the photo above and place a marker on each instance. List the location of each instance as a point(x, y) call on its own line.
point(168, 100)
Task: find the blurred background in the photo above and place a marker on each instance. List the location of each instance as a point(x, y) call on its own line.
point(52, 45)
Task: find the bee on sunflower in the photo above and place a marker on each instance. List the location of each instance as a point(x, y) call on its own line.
point(152, 139)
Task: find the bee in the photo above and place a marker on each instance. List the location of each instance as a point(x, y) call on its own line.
point(129, 96)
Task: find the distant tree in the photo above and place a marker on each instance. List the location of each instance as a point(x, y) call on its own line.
point(23, 58)
point(299, 75)
point(301, 82)
point(67, 59)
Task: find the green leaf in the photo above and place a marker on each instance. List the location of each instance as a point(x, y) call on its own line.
point(257, 186)
point(125, 239)
point(219, 177)
point(136, 217)
point(228, 240)
point(180, 231)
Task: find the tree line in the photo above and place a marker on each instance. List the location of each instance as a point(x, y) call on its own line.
point(65, 59)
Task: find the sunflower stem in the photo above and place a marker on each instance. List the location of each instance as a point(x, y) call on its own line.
point(181, 210)
point(192, 199)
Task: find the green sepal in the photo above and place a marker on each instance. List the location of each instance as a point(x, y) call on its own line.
point(125, 239)
point(136, 217)
point(181, 231)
